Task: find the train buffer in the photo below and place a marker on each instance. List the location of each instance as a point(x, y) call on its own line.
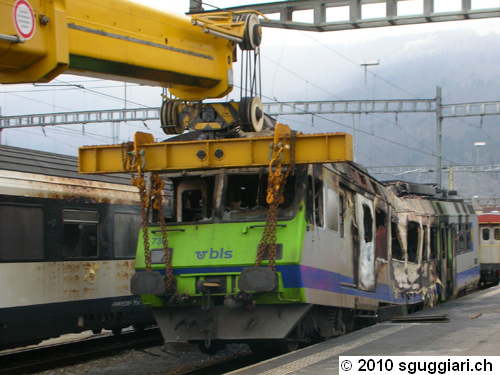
point(469, 330)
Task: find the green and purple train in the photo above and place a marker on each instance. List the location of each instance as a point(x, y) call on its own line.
point(349, 251)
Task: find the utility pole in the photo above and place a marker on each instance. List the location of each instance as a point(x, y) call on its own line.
point(363, 63)
point(439, 136)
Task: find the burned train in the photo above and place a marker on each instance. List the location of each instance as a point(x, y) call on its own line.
point(67, 248)
point(489, 242)
point(349, 250)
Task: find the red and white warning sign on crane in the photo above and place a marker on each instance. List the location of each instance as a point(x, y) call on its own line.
point(24, 19)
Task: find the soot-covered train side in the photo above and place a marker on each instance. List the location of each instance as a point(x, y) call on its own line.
point(67, 248)
point(350, 250)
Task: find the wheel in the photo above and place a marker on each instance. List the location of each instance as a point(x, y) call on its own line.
point(251, 114)
point(168, 117)
point(139, 327)
point(288, 346)
point(215, 347)
point(117, 331)
point(97, 331)
point(265, 348)
point(253, 32)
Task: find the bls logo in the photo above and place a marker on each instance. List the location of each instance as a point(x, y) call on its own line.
point(214, 254)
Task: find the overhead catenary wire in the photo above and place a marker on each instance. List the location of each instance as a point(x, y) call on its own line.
point(339, 98)
point(452, 163)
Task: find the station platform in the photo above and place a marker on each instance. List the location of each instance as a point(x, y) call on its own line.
point(471, 329)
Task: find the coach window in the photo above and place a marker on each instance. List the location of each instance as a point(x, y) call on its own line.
point(425, 245)
point(318, 202)
point(246, 194)
point(496, 234)
point(194, 198)
point(461, 236)
point(332, 214)
point(21, 232)
point(468, 236)
point(444, 241)
point(126, 226)
point(434, 244)
point(397, 249)
point(486, 234)
point(381, 234)
point(80, 239)
point(341, 215)
point(413, 235)
point(368, 223)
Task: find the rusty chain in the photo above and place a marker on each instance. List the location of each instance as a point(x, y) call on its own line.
point(145, 197)
point(156, 191)
point(275, 189)
point(141, 185)
point(126, 158)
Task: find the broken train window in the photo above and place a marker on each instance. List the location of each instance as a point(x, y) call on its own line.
point(332, 213)
point(397, 249)
point(194, 198)
point(367, 223)
point(425, 243)
point(413, 237)
point(245, 197)
point(381, 234)
point(318, 202)
point(434, 244)
point(168, 204)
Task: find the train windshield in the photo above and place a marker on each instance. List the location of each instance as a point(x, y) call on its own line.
point(222, 196)
point(245, 198)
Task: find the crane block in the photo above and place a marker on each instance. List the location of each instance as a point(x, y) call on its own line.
point(205, 154)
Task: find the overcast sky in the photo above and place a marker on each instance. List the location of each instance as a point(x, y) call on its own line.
point(282, 53)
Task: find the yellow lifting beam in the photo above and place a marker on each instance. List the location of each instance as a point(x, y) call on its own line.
point(223, 153)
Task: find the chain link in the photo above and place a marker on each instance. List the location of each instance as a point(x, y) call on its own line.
point(126, 158)
point(275, 189)
point(156, 190)
point(141, 185)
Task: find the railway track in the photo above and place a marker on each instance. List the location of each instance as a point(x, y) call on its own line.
point(138, 353)
point(223, 365)
point(42, 358)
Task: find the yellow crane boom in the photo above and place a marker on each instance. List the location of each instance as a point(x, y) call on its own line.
point(121, 40)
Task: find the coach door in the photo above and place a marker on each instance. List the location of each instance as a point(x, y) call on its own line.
point(448, 256)
point(443, 251)
point(366, 244)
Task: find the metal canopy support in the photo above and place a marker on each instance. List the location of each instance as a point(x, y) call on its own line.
point(470, 109)
point(439, 138)
point(271, 109)
point(354, 11)
point(320, 21)
point(280, 109)
point(78, 118)
point(391, 9)
point(402, 170)
point(350, 106)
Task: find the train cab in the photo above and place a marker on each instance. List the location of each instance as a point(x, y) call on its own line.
point(489, 241)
